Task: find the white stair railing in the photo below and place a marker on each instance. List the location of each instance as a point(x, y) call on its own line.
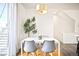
point(3, 44)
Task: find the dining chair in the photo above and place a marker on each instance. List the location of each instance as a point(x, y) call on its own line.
point(30, 47)
point(48, 47)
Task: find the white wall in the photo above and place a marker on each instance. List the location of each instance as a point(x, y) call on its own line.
point(49, 24)
point(21, 13)
point(62, 24)
point(70, 38)
point(44, 23)
point(75, 15)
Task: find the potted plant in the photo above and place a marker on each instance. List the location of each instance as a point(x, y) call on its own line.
point(30, 26)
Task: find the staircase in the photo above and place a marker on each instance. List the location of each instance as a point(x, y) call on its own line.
point(3, 44)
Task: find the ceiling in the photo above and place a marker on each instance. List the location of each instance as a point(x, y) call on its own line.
point(53, 5)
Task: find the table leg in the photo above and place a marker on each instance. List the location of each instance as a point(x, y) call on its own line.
point(21, 49)
point(58, 49)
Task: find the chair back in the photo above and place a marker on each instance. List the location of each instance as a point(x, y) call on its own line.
point(29, 46)
point(48, 46)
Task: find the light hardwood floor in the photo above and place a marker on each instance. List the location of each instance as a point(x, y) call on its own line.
point(69, 49)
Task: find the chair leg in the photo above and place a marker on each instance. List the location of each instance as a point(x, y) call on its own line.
point(36, 53)
point(50, 54)
point(27, 53)
point(45, 54)
point(33, 53)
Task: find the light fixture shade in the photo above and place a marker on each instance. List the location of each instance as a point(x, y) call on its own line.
point(42, 8)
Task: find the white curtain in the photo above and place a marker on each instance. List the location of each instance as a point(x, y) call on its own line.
point(12, 28)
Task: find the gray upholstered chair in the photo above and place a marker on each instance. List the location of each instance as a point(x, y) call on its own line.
point(30, 47)
point(48, 47)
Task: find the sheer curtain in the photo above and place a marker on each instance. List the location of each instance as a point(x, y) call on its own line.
point(12, 18)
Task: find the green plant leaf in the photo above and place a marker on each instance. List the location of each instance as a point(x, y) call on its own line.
point(34, 31)
point(26, 25)
point(26, 29)
point(33, 19)
point(29, 26)
point(32, 27)
point(28, 21)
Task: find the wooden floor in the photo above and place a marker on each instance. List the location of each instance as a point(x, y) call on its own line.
point(40, 53)
point(66, 50)
point(69, 49)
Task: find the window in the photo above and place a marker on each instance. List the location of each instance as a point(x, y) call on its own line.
point(3, 30)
